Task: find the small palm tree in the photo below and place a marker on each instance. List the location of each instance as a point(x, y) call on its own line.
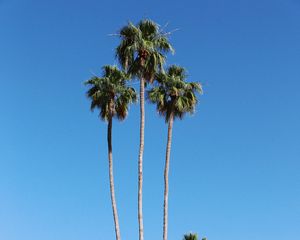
point(190, 236)
point(111, 96)
point(174, 97)
point(141, 53)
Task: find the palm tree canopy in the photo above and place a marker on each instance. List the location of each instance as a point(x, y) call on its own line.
point(110, 93)
point(173, 95)
point(142, 48)
point(190, 236)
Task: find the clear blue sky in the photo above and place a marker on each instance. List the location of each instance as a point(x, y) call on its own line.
point(235, 170)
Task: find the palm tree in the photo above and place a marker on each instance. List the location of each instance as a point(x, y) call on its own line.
point(141, 53)
point(190, 236)
point(173, 98)
point(111, 96)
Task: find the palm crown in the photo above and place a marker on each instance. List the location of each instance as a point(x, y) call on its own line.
point(173, 95)
point(190, 236)
point(142, 49)
point(110, 94)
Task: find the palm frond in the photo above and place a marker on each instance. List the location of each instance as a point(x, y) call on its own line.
point(190, 236)
point(142, 49)
point(172, 95)
point(110, 94)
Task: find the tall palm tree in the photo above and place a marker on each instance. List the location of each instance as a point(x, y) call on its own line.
point(142, 52)
point(174, 97)
point(111, 96)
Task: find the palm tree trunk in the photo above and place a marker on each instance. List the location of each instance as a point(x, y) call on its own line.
point(111, 179)
point(166, 178)
point(140, 161)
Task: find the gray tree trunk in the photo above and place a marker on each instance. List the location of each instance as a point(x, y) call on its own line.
point(166, 178)
point(111, 179)
point(140, 161)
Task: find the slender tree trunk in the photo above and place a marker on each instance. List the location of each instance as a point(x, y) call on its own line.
point(140, 161)
point(111, 179)
point(166, 178)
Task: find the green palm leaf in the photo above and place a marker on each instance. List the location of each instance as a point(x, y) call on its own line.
point(142, 49)
point(173, 94)
point(111, 89)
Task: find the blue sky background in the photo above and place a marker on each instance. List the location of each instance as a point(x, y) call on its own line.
point(234, 164)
